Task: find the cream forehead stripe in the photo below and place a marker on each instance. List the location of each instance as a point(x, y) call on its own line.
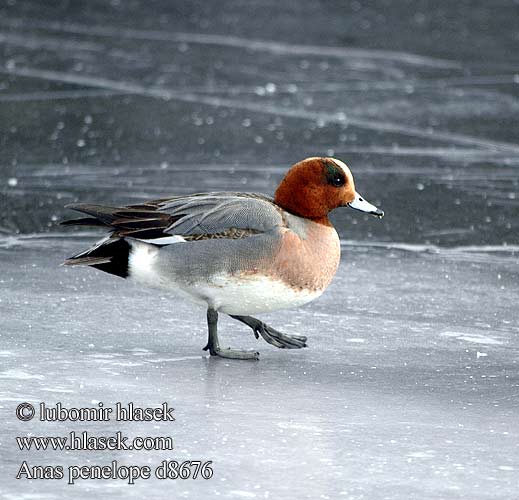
point(343, 166)
point(339, 163)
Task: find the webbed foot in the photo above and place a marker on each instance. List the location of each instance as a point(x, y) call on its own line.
point(271, 335)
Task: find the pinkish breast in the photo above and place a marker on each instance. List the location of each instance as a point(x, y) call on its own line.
point(309, 262)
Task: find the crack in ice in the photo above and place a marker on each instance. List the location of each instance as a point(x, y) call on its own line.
point(340, 118)
point(273, 47)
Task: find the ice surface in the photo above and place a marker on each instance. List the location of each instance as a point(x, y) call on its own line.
point(392, 398)
point(409, 388)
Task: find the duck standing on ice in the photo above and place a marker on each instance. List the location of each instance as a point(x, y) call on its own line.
point(235, 253)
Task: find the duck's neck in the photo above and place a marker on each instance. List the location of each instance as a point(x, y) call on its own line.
point(302, 203)
point(321, 220)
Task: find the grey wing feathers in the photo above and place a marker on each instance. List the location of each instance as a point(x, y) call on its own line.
point(215, 213)
point(198, 214)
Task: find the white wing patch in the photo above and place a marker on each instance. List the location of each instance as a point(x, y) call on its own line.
point(166, 240)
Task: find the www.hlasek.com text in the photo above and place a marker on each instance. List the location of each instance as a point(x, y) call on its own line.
point(86, 441)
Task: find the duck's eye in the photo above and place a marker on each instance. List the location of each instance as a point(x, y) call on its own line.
point(339, 180)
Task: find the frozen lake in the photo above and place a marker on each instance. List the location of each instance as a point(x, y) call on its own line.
point(409, 387)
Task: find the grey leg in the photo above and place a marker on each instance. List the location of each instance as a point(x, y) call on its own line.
point(272, 336)
point(214, 347)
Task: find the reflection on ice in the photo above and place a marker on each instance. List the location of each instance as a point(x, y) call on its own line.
point(19, 375)
point(473, 337)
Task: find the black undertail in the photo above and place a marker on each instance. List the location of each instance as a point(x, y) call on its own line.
point(119, 251)
point(110, 257)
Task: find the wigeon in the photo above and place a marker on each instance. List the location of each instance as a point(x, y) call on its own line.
point(234, 253)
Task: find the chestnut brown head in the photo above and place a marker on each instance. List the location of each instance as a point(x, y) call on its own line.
point(315, 186)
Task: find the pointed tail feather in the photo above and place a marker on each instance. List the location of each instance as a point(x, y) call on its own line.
point(86, 261)
point(122, 220)
point(84, 221)
point(102, 213)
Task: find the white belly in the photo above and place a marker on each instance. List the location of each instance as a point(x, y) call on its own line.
point(249, 295)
